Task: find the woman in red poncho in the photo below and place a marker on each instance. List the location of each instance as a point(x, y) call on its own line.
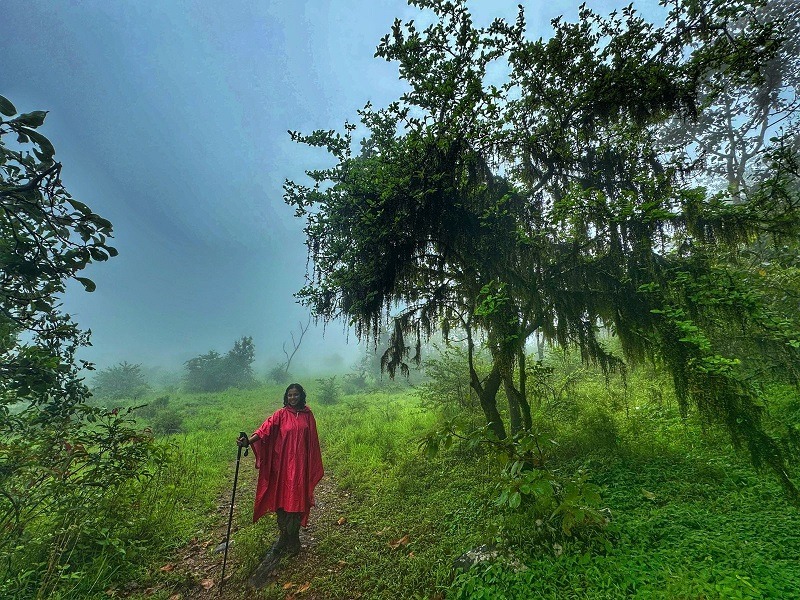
point(289, 464)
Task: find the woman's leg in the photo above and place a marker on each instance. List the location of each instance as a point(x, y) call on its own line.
point(293, 532)
point(282, 540)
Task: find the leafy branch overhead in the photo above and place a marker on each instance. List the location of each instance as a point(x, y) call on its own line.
point(47, 234)
point(538, 187)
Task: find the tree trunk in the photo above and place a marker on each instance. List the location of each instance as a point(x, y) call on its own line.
point(487, 392)
point(527, 421)
point(512, 394)
point(539, 346)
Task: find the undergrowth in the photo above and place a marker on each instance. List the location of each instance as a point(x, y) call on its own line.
point(688, 517)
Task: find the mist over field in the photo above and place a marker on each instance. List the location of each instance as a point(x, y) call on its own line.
point(552, 257)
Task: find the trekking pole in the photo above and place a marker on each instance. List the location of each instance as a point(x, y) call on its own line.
point(230, 516)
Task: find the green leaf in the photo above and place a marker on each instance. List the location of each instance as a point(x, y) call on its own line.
point(79, 206)
point(97, 254)
point(503, 498)
point(32, 119)
point(47, 148)
point(6, 107)
point(88, 284)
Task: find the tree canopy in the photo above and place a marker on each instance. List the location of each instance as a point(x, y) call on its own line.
point(537, 186)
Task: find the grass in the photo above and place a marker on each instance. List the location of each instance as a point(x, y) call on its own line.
point(690, 517)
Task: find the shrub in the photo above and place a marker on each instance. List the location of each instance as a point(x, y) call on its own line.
point(329, 390)
point(167, 422)
point(279, 375)
point(447, 388)
point(154, 407)
point(124, 380)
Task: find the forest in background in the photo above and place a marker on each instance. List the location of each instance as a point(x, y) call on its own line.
point(623, 192)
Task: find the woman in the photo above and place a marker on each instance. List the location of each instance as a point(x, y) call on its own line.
point(289, 464)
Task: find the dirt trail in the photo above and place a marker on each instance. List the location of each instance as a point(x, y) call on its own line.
point(198, 568)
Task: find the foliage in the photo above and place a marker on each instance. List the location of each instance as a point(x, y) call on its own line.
point(124, 380)
point(328, 391)
point(278, 374)
point(683, 507)
point(552, 203)
point(561, 505)
point(730, 135)
point(50, 511)
point(446, 389)
point(213, 372)
point(153, 408)
point(554, 379)
point(167, 422)
point(60, 459)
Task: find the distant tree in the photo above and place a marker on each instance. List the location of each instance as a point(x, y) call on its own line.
point(239, 363)
point(280, 372)
point(729, 142)
point(206, 373)
point(213, 372)
point(548, 203)
point(59, 457)
point(124, 380)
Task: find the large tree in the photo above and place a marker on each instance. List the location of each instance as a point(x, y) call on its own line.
point(548, 202)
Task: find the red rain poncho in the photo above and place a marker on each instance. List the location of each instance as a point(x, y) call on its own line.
point(289, 463)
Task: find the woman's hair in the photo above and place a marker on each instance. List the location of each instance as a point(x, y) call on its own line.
point(300, 389)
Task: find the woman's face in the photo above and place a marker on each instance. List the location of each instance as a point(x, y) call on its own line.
point(293, 397)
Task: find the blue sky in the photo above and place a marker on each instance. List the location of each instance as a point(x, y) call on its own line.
point(171, 121)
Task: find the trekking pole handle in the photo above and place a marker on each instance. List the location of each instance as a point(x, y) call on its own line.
point(242, 434)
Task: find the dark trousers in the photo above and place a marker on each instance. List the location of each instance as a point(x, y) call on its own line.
point(289, 527)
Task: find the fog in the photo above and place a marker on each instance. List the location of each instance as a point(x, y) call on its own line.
point(171, 120)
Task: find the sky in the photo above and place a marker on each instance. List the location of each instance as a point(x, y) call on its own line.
point(170, 118)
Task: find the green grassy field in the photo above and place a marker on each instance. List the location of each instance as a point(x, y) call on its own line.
point(689, 517)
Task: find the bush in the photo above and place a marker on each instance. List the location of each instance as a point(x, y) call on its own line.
point(167, 422)
point(355, 383)
point(447, 389)
point(154, 407)
point(279, 375)
point(124, 380)
point(595, 430)
point(329, 390)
